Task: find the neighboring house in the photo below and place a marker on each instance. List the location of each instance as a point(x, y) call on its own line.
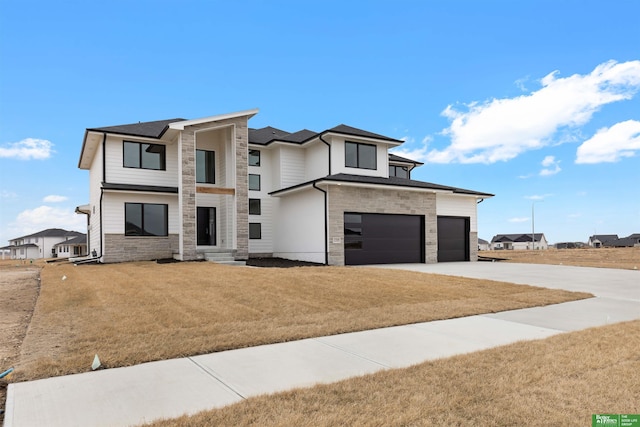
point(569, 245)
point(483, 245)
point(625, 242)
point(600, 240)
point(213, 187)
point(518, 241)
point(39, 245)
point(75, 247)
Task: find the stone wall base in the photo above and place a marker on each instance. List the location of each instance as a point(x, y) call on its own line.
point(121, 248)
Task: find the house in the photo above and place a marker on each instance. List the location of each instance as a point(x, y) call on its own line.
point(518, 241)
point(599, 240)
point(214, 188)
point(632, 240)
point(41, 244)
point(483, 245)
point(74, 247)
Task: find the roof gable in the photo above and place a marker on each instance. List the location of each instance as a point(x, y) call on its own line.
point(348, 130)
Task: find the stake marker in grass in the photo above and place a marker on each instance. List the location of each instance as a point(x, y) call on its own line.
point(96, 363)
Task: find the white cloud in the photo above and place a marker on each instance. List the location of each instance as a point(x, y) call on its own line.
point(551, 166)
point(4, 194)
point(611, 144)
point(519, 219)
point(501, 129)
point(54, 199)
point(574, 215)
point(43, 217)
point(538, 196)
point(419, 153)
point(27, 149)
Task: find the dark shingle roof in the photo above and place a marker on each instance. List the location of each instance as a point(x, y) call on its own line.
point(348, 130)
point(522, 237)
point(391, 181)
point(265, 135)
point(78, 240)
point(396, 158)
point(300, 136)
point(629, 241)
point(50, 232)
point(153, 129)
point(482, 242)
point(604, 237)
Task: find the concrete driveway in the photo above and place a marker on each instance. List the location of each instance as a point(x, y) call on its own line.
point(601, 282)
point(170, 388)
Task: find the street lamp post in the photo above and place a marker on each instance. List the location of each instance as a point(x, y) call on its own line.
point(533, 227)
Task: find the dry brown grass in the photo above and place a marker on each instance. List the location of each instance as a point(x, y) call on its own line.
point(562, 380)
point(623, 258)
point(138, 312)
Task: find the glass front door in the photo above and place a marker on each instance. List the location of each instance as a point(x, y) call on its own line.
point(206, 226)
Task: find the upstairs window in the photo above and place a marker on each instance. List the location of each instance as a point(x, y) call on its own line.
point(205, 167)
point(399, 171)
point(254, 182)
point(254, 157)
point(144, 156)
point(362, 156)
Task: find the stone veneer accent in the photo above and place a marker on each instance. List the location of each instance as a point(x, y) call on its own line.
point(188, 187)
point(343, 198)
point(121, 248)
point(473, 246)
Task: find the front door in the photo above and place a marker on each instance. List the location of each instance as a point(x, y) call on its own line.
point(206, 226)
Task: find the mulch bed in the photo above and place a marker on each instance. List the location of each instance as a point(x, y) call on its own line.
point(280, 263)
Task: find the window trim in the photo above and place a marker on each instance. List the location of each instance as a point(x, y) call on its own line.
point(395, 167)
point(259, 182)
point(358, 145)
point(259, 230)
point(163, 158)
point(145, 233)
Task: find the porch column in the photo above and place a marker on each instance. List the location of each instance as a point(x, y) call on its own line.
point(187, 198)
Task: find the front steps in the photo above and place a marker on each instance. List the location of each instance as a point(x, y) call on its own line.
point(221, 257)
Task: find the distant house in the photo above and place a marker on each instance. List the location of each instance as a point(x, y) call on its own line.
point(600, 240)
point(518, 241)
point(625, 242)
point(483, 245)
point(41, 244)
point(74, 247)
point(569, 245)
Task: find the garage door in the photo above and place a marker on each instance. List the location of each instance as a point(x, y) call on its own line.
point(453, 239)
point(383, 239)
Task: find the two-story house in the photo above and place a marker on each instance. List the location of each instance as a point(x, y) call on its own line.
point(190, 188)
point(42, 244)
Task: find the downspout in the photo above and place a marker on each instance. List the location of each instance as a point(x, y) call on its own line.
point(328, 145)
point(104, 179)
point(326, 225)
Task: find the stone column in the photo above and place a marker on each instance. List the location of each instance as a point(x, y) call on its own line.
point(188, 195)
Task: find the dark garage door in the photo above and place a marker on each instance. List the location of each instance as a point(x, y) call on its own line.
point(453, 239)
point(383, 238)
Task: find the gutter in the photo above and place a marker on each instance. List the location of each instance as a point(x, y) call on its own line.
point(104, 179)
point(326, 225)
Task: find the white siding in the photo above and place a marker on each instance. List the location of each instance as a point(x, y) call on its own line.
point(458, 205)
point(113, 204)
point(316, 161)
point(299, 231)
point(338, 159)
point(292, 165)
point(95, 179)
point(117, 173)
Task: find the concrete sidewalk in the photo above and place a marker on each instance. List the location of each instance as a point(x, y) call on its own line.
point(167, 389)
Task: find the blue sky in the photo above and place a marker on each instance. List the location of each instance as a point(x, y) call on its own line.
point(536, 102)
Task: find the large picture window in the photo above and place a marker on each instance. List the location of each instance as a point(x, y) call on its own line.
point(144, 156)
point(362, 156)
point(146, 219)
point(205, 167)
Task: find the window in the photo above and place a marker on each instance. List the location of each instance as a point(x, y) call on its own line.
point(144, 156)
point(254, 207)
point(255, 230)
point(362, 156)
point(254, 182)
point(399, 171)
point(206, 166)
point(146, 219)
point(254, 157)
point(76, 250)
